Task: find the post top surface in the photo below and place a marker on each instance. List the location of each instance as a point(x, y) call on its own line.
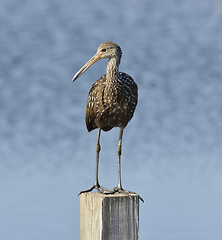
point(113, 195)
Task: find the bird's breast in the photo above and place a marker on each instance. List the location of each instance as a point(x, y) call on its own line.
point(111, 105)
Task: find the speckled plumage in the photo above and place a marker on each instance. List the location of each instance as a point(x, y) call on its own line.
point(111, 103)
point(112, 99)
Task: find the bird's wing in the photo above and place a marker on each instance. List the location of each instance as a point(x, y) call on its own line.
point(94, 102)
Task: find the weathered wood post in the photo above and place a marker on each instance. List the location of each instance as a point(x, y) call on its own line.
point(109, 217)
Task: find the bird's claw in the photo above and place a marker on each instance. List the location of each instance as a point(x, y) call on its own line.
point(117, 189)
point(99, 189)
point(122, 191)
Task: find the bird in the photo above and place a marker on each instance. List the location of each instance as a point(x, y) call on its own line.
point(111, 103)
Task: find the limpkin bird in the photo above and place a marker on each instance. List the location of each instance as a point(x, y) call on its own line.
point(111, 103)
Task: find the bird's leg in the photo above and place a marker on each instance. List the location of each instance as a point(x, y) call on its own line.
point(119, 187)
point(96, 184)
point(119, 151)
point(98, 148)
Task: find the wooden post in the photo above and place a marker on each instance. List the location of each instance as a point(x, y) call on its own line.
point(109, 217)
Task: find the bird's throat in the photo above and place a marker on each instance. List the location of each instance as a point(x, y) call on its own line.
point(112, 72)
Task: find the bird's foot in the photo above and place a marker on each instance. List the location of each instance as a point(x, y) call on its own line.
point(117, 189)
point(124, 191)
point(96, 186)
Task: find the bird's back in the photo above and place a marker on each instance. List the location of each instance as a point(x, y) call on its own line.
point(113, 105)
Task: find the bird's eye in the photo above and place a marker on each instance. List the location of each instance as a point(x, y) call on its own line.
point(103, 50)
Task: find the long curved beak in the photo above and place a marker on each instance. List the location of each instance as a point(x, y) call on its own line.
point(94, 59)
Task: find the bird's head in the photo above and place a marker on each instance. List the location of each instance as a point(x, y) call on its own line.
point(109, 50)
point(105, 50)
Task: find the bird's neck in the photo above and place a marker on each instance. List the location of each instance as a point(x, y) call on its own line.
point(112, 72)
